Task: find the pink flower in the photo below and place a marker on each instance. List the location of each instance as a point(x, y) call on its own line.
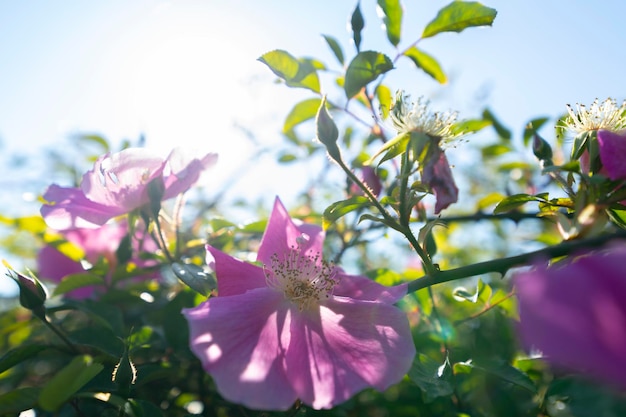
point(574, 313)
point(438, 176)
point(613, 153)
point(95, 243)
point(297, 327)
point(118, 184)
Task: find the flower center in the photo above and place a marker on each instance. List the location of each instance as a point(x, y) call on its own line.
point(306, 280)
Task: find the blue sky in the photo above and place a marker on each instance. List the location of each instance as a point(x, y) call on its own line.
point(185, 72)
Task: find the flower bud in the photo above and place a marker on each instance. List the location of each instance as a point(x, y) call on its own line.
point(32, 293)
point(327, 132)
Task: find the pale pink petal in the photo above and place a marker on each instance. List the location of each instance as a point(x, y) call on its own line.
point(283, 234)
point(233, 276)
point(363, 288)
point(345, 347)
point(101, 242)
point(574, 313)
point(241, 341)
point(69, 208)
point(613, 154)
point(121, 179)
point(185, 171)
point(53, 266)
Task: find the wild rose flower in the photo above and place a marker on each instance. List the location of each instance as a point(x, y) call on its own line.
point(607, 115)
point(102, 242)
point(118, 184)
point(297, 327)
point(574, 313)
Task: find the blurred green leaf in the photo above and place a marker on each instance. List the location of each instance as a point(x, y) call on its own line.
point(399, 142)
point(75, 281)
point(506, 372)
point(99, 337)
point(427, 63)
point(19, 355)
point(68, 381)
point(392, 19)
point(340, 208)
point(357, 23)
point(428, 375)
point(470, 126)
point(383, 93)
point(335, 47)
point(460, 15)
point(18, 400)
point(513, 202)
point(301, 112)
point(495, 150)
point(363, 69)
point(502, 131)
point(533, 126)
point(296, 73)
point(195, 277)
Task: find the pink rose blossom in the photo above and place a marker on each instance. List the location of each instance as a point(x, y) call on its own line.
point(102, 242)
point(297, 327)
point(574, 313)
point(438, 176)
point(118, 184)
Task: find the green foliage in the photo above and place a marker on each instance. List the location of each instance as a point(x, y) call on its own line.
point(392, 19)
point(427, 63)
point(458, 16)
point(363, 69)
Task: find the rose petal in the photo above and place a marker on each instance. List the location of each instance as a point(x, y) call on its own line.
point(234, 276)
point(348, 346)
point(241, 341)
point(363, 288)
point(71, 209)
point(185, 171)
point(282, 234)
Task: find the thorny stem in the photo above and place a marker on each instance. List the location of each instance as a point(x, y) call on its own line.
point(504, 264)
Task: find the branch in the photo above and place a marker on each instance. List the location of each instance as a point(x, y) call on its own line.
point(504, 264)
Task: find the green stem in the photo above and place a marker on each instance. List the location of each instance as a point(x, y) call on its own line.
point(58, 332)
point(504, 264)
point(515, 216)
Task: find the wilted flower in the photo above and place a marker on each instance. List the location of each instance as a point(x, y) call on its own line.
point(574, 313)
point(420, 119)
point(612, 148)
point(436, 173)
point(95, 244)
point(599, 116)
point(297, 327)
point(118, 184)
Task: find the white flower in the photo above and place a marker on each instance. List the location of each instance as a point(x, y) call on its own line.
point(606, 115)
point(420, 119)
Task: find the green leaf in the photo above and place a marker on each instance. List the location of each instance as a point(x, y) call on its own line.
point(513, 202)
point(195, 277)
point(99, 337)
point(383, 93)
point(18, 400)
point(91, 139)
point(357, 23)
point(506, 372)
point(427, 63)
point(68, 381)
point(428, 375)
point(400, 141)
point(363, 69)
point(340, 208)
point(19, 355)
point(495, 150)
point(296, 73)
point(458, 16)
point(532, 127)
point(80, 280)
point(301, 112)
point(335, 47)
point(392, 19)
point(470, 126)
point(502, 131)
